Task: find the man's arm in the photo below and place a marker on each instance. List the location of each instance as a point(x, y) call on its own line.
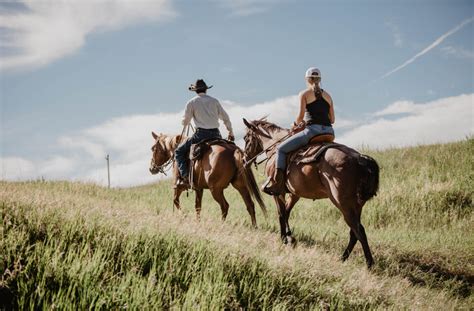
point(225, 118)
point(188, 114)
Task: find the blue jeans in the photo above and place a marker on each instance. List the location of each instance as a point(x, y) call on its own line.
point(181, 153)
point(299, 140)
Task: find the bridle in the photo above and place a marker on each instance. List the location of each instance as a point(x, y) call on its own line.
point(253, 139)
point(163, 167)
point(264, 150)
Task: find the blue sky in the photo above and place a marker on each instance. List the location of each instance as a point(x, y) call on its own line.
point(69, 67)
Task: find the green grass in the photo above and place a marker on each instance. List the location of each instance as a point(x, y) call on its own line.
point(78, 246)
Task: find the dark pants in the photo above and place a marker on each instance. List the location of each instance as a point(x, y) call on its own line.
point(181, 153)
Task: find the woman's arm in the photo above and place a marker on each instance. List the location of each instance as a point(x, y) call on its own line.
point(332, 116)
point(300, 117)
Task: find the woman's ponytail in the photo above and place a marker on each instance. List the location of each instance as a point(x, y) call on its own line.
point(316, 88)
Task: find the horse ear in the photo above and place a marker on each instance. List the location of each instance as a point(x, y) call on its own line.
point(247, 124)
point(176, 139)
point(154, 135)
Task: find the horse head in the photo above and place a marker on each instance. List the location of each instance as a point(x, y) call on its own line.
point(253, 140)
point(159, 154)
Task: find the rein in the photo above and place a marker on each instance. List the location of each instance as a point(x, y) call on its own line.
point(165, 166)
point(249, 162)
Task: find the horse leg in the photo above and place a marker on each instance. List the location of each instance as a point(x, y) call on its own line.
point(290, 203)
point(351, 210)
point(365, 246)
point(244, 193)
point(218, 195)
point(198, 202)
point(280, 202)
point(353, 220)
point(177, 194)
point(350, 246)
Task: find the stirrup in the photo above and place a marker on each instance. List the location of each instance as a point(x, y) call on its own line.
point(182, 183)
point(277, 185)
point(273, 189)
point(266, 184)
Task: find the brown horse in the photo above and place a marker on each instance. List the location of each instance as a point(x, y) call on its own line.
point(220, 166)
point(341, 174)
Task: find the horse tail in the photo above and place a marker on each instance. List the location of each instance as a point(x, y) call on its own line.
point(249, 180)
point(369, 178)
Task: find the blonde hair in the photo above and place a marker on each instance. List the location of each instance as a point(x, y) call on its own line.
point(314, 84)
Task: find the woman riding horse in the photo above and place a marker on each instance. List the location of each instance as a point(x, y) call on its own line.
point(317, 111)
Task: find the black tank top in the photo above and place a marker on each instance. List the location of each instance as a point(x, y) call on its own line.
point(317, 112)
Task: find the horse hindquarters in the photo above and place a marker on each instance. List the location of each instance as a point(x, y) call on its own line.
point(303, 180)
point(349, 185)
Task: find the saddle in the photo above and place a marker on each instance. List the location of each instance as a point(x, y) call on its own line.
point(198, 150)
point(313, 150)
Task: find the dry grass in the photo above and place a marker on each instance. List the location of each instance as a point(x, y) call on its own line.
point(420, 228)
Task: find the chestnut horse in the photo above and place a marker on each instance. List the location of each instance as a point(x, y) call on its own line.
point(341, 174)
point(220, 166)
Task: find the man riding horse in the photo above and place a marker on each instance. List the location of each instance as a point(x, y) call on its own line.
point(216, 163)
point(206, 111)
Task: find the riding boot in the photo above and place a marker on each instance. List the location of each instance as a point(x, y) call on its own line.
point(183, 183)
point(276, 185)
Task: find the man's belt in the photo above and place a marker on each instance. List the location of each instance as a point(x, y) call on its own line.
point(203, 129)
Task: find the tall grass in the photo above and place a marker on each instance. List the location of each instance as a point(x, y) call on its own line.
point(71, 245)
point(50, 262)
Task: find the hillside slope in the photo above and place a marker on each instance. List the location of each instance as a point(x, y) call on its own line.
point(71, 244)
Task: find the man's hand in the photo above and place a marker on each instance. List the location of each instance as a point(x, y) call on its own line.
point(230, 137)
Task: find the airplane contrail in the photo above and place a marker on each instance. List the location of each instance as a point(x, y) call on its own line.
point(430, 47)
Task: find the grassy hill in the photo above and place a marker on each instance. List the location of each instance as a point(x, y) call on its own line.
point(73, 245)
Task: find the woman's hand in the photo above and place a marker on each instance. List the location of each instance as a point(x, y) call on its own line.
point(298, 127)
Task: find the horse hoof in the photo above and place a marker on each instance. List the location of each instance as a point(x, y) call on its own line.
point(370, 265)
point(284, 240)
point(292, 241)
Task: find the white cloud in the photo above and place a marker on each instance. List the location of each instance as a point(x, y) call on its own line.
point(430, 47)
point(458, 52)
point(397, 107)
point(128, 139)
point(48, 30)
point(16, 168)
point(58, 167)
point(444, 120)
point(80, 143)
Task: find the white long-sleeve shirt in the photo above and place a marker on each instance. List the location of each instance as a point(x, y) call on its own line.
point(206, 112)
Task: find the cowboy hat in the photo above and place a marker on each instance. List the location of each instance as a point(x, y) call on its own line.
point(200, 85)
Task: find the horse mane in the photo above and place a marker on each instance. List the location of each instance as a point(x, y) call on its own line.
point(171, 142)
point(268, 126)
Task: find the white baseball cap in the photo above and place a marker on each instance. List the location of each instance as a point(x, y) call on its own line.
point(313, 72)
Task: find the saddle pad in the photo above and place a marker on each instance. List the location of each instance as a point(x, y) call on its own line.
point(198, 150)
point(310, 153)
